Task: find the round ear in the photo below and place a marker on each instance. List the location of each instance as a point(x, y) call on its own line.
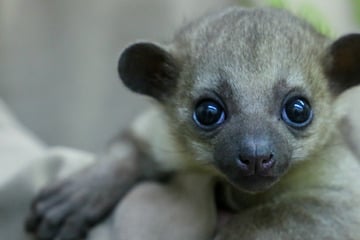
point(148, 69)
point(342, 63)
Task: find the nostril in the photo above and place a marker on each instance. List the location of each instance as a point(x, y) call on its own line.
point(267, 163)
point(244, 161)
point(246, 165)
point(268, 159)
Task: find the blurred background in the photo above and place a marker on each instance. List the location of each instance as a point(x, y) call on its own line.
point(58, 57)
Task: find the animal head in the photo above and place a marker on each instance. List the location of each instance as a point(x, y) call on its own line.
point(247, 91)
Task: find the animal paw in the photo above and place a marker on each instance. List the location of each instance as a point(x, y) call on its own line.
point(68, 209)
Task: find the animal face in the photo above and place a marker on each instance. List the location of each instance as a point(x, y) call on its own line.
point(245, 91)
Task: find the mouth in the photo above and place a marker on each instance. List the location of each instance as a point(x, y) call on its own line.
point(253, 183)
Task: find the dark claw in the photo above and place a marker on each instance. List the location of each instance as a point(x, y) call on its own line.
point(31, 223)
point(46, 231)
point(75, 228)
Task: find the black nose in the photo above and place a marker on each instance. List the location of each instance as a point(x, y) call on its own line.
point(258, 162)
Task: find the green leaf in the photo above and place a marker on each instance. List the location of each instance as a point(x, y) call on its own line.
point(356, 9)
point(277, 3)
point(314, 17)
point(309, 13)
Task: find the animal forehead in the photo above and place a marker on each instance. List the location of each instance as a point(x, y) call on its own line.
point(256, 89)
point(248, 33)
point(249, 50)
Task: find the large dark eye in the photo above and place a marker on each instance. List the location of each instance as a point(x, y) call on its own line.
point(297, 112)
point(208, 114)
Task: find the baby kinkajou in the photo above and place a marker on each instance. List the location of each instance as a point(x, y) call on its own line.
point(245, 97)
